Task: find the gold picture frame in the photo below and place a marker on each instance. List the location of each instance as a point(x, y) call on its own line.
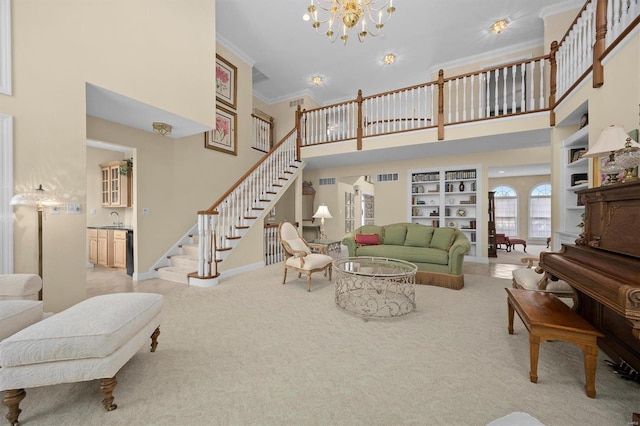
point(224, 137)
point(226, 82)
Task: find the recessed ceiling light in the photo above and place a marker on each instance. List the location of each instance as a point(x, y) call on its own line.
point(306, 17)
point(501, 172)
point(389, 59)
point(316, 80)
point(499, 26)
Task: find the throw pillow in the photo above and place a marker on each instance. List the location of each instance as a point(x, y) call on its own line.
point(418, 236)
point(443, 238)
point(372, 229)
point(395, 235)
point(298, 245)
point(367, 239)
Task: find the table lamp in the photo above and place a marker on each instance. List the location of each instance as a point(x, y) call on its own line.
point(611, 139)
point(322, 213)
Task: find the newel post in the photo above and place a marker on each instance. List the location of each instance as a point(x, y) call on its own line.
point(298, 132)
point(359, 129)
point(553, 75)
point(599, 45)
point(440, 105)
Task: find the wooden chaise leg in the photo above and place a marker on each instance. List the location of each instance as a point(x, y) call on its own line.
point(154, 339)
point(107, 386)
point(12, 400)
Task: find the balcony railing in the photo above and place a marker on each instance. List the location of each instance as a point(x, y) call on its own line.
point(522, 87)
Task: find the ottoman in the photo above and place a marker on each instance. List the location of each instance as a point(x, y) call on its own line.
point(90, 340)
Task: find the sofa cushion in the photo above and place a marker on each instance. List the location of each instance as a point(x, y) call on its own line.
point(395, 235)
point(418, 236)
point(367, 239)
point(407, 253)
point(93, 328)
point(443, 238)
point(18, 314)
point(372, 229)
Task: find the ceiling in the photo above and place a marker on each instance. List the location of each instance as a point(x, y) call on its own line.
point(286, 52)
point(424, 34)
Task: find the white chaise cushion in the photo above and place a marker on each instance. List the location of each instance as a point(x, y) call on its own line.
point(93, 328)
point(20, 286)
point(18, 314)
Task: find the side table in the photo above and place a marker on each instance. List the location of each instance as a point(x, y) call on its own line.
point(329, 247)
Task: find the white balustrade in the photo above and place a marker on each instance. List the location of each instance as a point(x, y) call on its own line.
point(243, 204)
point(261, 133)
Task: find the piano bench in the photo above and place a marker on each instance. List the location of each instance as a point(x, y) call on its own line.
point(547, 318)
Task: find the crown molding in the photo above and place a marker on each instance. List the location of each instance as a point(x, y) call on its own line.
point(235, 50)
point(559, 8)
point(5, 47)
point(486, 56)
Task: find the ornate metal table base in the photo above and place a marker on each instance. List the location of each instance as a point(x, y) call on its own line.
point(375, 286)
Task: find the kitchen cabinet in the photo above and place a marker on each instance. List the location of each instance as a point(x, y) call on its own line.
point(103, 247)
point(116, 188)
point(119, 244)
point(93, 245)
point(111, 248)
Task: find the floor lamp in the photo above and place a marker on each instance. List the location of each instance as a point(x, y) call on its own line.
point(40, 199)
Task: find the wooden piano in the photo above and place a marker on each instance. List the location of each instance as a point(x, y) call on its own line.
point(604, 267)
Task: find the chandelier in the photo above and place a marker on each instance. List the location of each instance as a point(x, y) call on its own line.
point(343, 15)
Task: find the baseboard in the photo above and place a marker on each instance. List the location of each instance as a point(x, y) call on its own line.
point(242, 269)
point(141, 276)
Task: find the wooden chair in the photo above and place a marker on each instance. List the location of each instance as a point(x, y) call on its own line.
point(536, 279)
point(298, 255)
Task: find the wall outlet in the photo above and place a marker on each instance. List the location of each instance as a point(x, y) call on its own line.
point(92, 211)
point(74, 208)
point(146, 210)
point(54, 210)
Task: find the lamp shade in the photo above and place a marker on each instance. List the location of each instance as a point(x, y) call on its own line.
point(323, 212)
point(611, 139)
point(38, 197)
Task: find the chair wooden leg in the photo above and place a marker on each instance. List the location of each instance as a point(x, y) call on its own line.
point(309, 282)
point(284, 278)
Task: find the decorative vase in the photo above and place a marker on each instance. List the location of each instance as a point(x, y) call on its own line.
point(461, 187)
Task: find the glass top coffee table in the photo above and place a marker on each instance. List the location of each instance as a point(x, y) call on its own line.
point(375, 286)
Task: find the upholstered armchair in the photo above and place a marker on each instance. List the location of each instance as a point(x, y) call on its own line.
point(19, 305)
point(298, 255)
point(536, 279)
point(502, 239)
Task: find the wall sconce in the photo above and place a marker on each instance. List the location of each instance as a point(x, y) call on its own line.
point(163, 129)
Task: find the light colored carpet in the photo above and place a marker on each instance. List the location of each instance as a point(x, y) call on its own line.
point(514, 256)
point(254, 352)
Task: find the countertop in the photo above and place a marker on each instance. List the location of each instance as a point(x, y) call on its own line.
point(121, 228)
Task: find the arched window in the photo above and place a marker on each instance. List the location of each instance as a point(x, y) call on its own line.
point(506, 214)
point(540, 211)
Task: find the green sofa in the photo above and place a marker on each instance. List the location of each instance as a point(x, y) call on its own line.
point(437, 252)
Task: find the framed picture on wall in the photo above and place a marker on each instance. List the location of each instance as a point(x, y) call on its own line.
point(226, 83)
point(223, 137)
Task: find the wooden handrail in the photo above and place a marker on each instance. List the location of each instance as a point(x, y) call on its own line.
point(212, 209)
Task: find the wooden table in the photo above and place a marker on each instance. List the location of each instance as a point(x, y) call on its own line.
point(547, 318)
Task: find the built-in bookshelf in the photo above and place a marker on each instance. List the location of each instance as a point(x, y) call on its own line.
point(575, 176)
point(448, 197)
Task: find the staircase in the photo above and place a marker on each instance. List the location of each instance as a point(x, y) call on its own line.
point(195, 257)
